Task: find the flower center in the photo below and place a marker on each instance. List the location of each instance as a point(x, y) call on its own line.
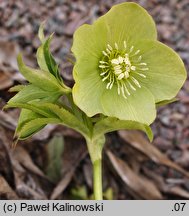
point(120, 67)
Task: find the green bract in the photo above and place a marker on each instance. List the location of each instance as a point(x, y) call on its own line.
point(121, 69)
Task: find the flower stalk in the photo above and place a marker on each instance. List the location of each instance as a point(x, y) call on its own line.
point(95, 147)
point(97, 179)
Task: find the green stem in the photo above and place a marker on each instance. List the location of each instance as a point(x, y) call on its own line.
point(95, 145)
point(97, 179)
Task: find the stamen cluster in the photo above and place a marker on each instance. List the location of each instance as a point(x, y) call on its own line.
point(118, 66)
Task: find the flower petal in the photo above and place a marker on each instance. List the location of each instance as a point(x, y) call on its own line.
point(87, 93)
point(129, 22)
point(87, 47)
point(89, 42)
point(139, 106)
point(166, 73)
point(124, 22)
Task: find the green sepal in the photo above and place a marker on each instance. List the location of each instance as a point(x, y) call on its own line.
point(166, 72)
point(165, 102)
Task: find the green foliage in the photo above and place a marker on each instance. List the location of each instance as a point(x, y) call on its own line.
point(122, 73)
point(46, 61)
point(26, 116)
point(109, 124)
point(128, 100)
point(40, 99)
point(108, 194)
point(79, 193)
point(32, 92)
point(55, 149)
point(42, 79)
point(44, 113)
point(45, 86)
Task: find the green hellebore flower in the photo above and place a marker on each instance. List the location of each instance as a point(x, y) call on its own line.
point(121, 69)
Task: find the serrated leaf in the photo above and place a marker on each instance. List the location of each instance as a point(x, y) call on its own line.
point(32, 92)
point(40, 78)
point(25, 117)
point(55, 149)
point(50, 61)
point(16, 88)
point(31, 112)
point(31, 127)
point(67, 118)
point(109, 124)
point(41, 59)
point(50, 110)
point(35, 108)
point(41, 32)
point(46, 61)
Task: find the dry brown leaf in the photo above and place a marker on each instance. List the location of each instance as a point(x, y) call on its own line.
point(6, 168)
point(27, 187)
point(21, 155)
point(61, 186)
point(176, 190)
point(68, 132)
point(8, 53)
point(44, 133)
point(8, 64)
point(137, 141)
point(6, 191)
point(183, 160)
point(5, 80)
point(76, 19)
point(87, 171)
point(137, 183)
point(74, 152)
point(166, 187)
point(7, 121)
point(27, 192)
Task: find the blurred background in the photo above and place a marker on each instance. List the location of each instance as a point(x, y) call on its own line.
point(54, 163)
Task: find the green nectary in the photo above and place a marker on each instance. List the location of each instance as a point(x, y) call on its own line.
point(121, 69)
